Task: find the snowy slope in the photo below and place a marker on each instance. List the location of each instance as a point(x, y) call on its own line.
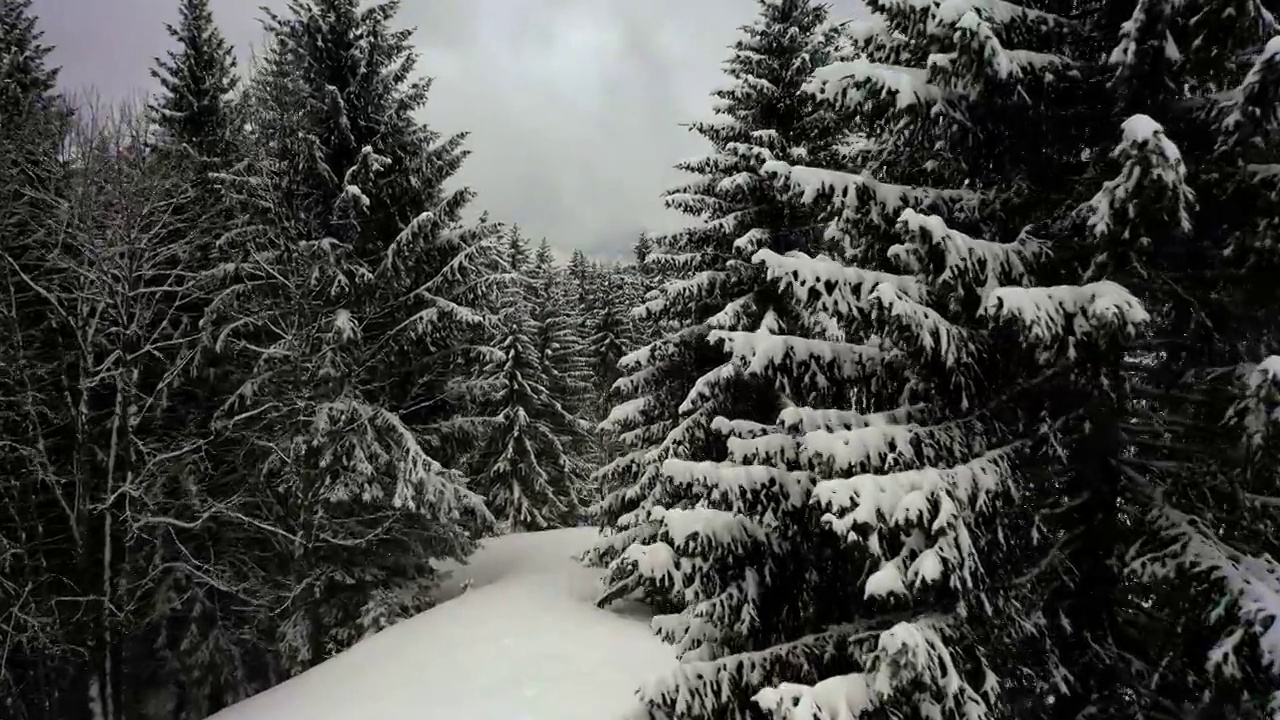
point(524, 642)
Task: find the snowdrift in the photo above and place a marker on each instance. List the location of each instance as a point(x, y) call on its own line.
point(522, 642)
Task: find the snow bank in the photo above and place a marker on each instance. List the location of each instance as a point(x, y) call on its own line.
point(523, 642)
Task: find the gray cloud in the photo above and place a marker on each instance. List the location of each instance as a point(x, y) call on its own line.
point(574, 106)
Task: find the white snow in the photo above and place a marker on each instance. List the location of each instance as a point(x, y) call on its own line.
point(523, 642)
point(999, 12)
point(850, 83)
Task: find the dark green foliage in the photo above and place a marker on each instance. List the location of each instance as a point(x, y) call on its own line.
point(194, 110)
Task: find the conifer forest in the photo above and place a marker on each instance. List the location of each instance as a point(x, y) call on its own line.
point(956, 397)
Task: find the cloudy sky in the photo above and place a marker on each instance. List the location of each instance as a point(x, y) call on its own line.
point(574, 106)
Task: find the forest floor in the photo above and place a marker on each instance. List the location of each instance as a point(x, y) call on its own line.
point(516, 636)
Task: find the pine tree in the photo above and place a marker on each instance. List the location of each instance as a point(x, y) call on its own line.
point(611, 331)
point(642, 248)
point(201, 644)
point(642, 277)
point(519, 259)
point(197, 79)
point(579, 271)
point(681, 382)
point(1021, 547)
point(353, 294)
point(563, 352)
point(524, 462)
point(33, 123)
point(1181, 219)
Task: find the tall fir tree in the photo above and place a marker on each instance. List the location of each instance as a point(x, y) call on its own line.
point(1021, 538)
point(562, 347)
point(353, 294)
point(579, 271)
point(33, 124)
point(680, 383)
point(611, 333)
point(524, 460)
point(197, 80)
point(1171, 525)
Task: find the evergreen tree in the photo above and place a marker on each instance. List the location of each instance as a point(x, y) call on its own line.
point(519, 259)
point(206, 648)
point(198, 78)
point(32, 359)
point(643, 277)
point(33, 125)
point(642, 248)
point(563, 353)
point(680, 383)
point(352, 296)
point(1020, 546)
point(201, 642)
point(579, 271)
point(611, 332)
point(524, 462)
point(1168, 525)
point(28, 81)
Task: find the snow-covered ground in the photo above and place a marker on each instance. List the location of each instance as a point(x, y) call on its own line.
point(524, 642)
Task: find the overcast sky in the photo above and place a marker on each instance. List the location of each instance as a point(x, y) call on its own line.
point(573, 106)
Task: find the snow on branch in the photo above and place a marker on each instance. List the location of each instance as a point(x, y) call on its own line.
point(708, 387)
point(1152, 180)
point(925, 330)
point(965, 260)
point(691, 686)
point(1252, 110)
point(735, 483)
point(1257, 411)
point(1012, 16)
point(852, 83)
point(626, 414)
point(741, 428)
point(677, 294)
point(1051, 314)
point(808, 419)
point(911, 666)
point(1251, 584)
point(857, 194)
point(1133, 31)
point(939, 499)
point(980, 55)
point(819, 363)
point(691, 527)
point(829, 286)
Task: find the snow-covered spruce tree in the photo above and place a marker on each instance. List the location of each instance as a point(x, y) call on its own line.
point(918, 470)
point(1045, 644)
point(644, 278)
point(680, 383)
point(197, 80)
point(564, 356)
point(943, 466)
point(579, 271)
point(1172, 610)
point(351, 294)
point(610, 336)
point(523, 463)
point(560, 342)
point(196, 125)
point(611, 332)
